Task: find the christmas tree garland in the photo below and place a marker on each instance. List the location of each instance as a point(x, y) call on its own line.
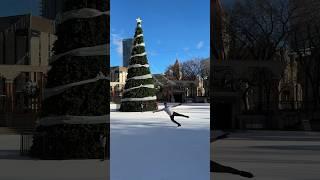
point(80, 14)
point(147, 76)
point(147, 86)
point(139, 55)
point(138, 65)
point(56, 90)
point(140, 99)
point(141, 44)
point(99, 50)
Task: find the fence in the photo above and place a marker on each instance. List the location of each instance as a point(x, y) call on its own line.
point(26, 139)
point(2, 103)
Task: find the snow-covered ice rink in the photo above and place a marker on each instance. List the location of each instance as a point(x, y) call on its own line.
point(148, 146)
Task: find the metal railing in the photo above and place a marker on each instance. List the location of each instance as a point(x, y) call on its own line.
point(26, 139)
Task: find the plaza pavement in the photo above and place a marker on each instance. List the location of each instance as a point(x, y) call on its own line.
point(269, 155)
point(16, 167)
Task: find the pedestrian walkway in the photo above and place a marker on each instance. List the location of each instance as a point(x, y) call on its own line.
point(277, 155)
point(16, 167)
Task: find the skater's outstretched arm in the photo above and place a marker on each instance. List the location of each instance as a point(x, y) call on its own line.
point(158, 110)
point(176, 105)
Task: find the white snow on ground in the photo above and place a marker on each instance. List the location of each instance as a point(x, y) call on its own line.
point(15, 167)
point(148, 146)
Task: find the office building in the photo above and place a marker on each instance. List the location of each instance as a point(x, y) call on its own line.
point(25, 48)
point(50, 8)
point(127, 47)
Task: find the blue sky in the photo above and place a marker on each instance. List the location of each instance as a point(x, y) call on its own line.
point(18, 7)
point(172, 29)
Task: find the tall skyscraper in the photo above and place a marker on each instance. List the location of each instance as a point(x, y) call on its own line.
point(50, 8)
point(127, 46)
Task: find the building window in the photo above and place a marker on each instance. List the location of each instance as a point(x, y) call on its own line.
point(285, 96)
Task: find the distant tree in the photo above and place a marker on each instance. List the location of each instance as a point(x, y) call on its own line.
point(258, 29)
point(205, 68)
point(189, 70)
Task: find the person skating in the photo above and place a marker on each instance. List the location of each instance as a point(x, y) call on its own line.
point(171, 113)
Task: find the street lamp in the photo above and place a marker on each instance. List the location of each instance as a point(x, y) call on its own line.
point(205, 78)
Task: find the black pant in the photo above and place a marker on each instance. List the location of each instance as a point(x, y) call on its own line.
point(177, 114)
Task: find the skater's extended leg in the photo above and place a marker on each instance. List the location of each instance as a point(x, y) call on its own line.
point(177, 114)
point(172, 119)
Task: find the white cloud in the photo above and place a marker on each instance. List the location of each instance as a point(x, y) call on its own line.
point(200, 44)
point(117, 41)
point(153, 53)
point(186, 49)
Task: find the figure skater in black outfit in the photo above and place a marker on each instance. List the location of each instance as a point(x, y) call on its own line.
point(171, 113)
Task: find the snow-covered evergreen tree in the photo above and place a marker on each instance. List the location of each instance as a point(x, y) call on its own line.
point(139, 91)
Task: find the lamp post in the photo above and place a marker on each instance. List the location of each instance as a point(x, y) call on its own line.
point(205, 78)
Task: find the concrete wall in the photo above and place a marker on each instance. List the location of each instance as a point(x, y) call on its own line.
point(42, 24)
point(9, 48)
point(34, 51)
point(41, 48)
point(1, 48)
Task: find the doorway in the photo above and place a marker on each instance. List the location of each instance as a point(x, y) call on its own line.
point(178, 97)
point(222, 116)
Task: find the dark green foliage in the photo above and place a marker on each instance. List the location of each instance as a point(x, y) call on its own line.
point(91, 99)
point(138, 31)
point(69, 142)
point(138, 50)
point(139, 60)
point(138, 72)
point(142, 92)
point(138, 40)
point(136, 106)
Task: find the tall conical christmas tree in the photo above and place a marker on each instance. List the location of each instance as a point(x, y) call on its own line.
point(74, 115)
point(139, 91)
